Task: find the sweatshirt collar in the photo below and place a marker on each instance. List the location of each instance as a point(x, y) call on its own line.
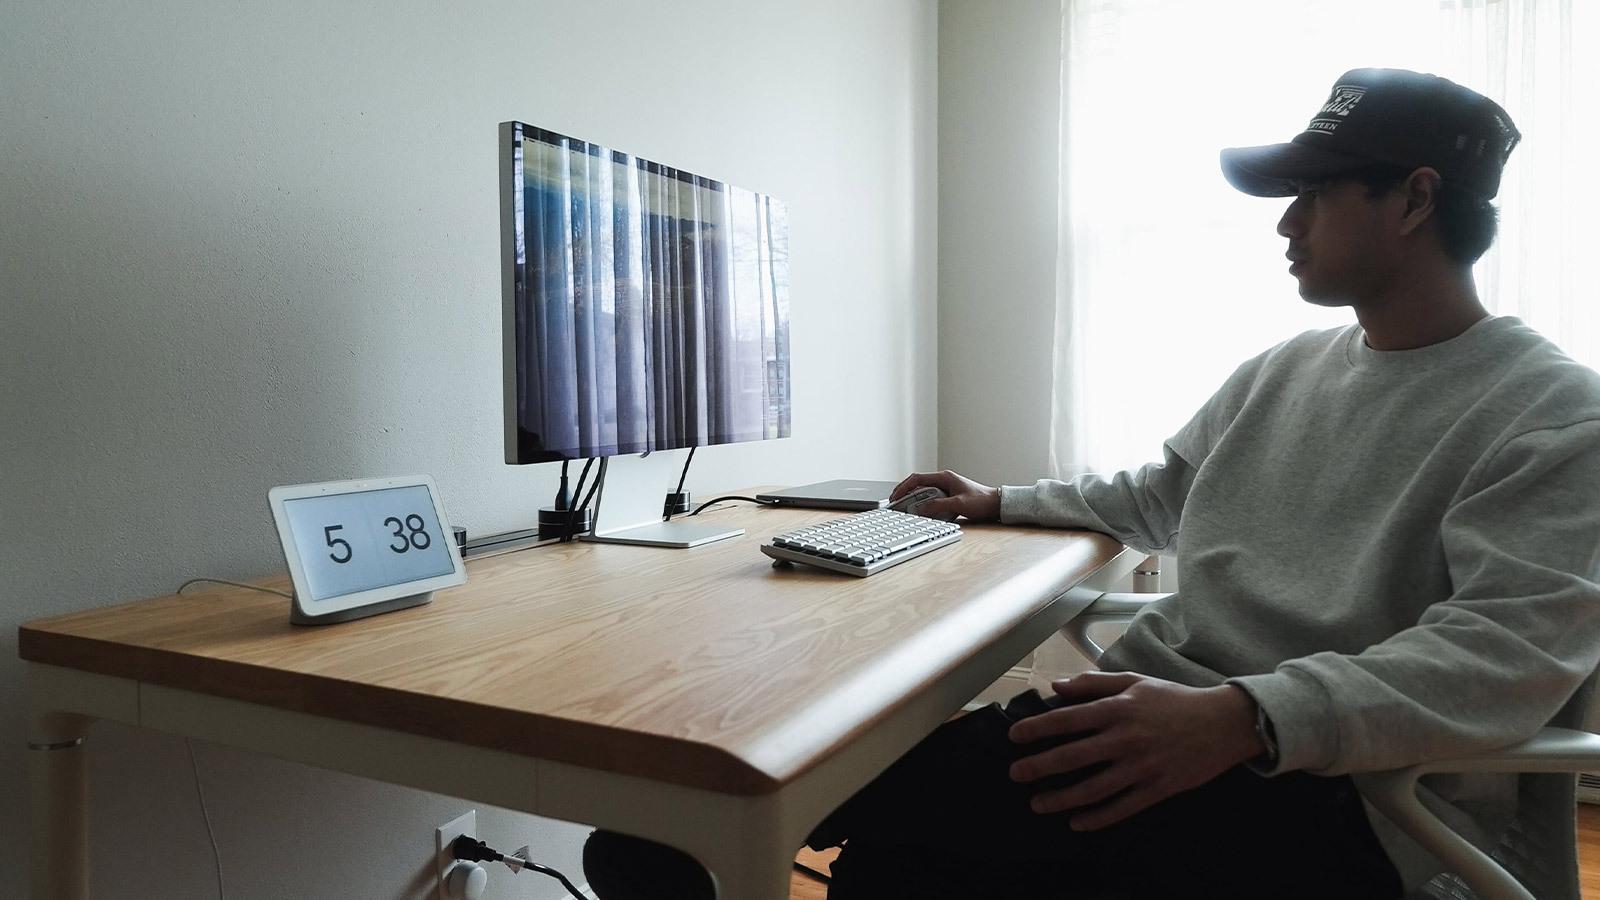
point(1465, 348)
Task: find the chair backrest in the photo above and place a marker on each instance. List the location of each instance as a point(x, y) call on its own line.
point(1538, 850)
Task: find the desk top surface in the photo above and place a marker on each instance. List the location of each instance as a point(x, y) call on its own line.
point(705, 667)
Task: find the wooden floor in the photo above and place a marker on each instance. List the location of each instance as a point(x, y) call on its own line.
point(804, 887)
point(1589, 850)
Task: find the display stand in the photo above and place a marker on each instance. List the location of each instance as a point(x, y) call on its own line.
point(628, 506)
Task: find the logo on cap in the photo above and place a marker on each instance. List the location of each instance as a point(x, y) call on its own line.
point(1343, 99)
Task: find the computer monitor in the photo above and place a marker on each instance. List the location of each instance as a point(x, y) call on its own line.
point(645, 308)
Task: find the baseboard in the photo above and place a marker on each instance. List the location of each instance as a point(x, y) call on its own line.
point(1589, 788)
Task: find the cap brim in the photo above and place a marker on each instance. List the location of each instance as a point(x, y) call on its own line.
point(1277, 170)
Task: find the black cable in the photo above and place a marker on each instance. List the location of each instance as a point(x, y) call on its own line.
point(804, 869)
point(583, 476)
point(574, 510)
point(673, 501)
point(685, 476)
point(562, 500)
point(731, 497)
point(474, 850)
point(546, 870)
point(585, 504)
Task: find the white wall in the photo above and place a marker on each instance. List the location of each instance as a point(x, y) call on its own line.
point(999, 89)
point(248, 245)
point(999, 172)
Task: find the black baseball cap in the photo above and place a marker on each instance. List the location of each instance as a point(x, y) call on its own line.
point(1391, 117)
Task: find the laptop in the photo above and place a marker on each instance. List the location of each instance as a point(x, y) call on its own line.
point(841, 494)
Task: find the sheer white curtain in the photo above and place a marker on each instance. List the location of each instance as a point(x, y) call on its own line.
point(1169, 279)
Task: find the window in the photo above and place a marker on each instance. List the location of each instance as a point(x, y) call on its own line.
point(1171, 279)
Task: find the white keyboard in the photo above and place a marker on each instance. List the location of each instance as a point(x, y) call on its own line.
point(863, 543)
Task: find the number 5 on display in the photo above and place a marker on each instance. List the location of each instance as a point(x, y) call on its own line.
point(327, 532)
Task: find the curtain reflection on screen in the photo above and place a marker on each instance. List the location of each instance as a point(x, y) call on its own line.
point(651, 304)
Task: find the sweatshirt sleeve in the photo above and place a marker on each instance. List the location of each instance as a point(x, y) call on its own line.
point(1492, 663)
point(1140, 508)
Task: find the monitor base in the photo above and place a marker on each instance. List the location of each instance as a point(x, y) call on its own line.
point(667, 534)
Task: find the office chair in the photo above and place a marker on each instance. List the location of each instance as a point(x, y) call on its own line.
point(1535, 857)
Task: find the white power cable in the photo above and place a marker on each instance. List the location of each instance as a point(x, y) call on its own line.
point(216, 857)
point(253, 587)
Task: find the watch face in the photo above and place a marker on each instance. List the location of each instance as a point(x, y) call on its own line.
point(359, 541)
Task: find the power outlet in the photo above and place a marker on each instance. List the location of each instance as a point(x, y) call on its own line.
point(467, 824)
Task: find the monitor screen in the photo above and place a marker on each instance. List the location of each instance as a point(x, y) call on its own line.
point(645, 308)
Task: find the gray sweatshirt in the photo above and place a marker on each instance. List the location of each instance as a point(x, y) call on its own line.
point(1395, 553)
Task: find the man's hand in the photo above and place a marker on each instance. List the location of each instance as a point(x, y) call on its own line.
point(965, 497)
point(1158, 739)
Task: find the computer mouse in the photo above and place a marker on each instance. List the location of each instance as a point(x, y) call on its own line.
point(912, 503)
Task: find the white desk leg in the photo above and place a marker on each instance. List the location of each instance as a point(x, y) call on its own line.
point(755, 872)
point(58, 799)
point(772, 883)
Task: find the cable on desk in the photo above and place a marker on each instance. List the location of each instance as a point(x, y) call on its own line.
point(702, 506)
point(253, 587)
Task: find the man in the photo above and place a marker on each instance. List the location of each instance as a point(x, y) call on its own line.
point(1388, 537)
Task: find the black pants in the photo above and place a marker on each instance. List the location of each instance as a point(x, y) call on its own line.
point(946, 821)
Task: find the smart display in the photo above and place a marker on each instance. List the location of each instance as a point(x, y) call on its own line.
point(359, 547)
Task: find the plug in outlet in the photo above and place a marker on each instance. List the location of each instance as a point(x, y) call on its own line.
point(467, 824)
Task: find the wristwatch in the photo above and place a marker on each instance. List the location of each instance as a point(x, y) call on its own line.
point(1269, 737)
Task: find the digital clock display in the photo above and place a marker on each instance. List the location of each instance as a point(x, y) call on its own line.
point(353, 542)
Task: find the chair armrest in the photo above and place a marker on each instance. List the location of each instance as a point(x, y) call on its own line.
point(1551, 750)
point(1109, 608)
point(1394, 793)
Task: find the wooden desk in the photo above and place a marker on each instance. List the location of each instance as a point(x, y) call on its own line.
point(698, 697)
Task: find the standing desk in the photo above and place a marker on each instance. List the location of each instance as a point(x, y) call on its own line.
point(701, 698)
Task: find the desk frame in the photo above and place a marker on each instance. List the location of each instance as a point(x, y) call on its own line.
point(748, 842)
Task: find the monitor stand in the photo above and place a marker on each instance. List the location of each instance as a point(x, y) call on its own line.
point(629, 499)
